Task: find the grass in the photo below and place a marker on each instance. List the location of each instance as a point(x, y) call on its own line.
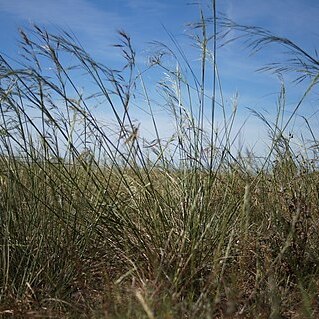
point(98, 222)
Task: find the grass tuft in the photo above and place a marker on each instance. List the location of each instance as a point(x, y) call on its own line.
point(101, 221)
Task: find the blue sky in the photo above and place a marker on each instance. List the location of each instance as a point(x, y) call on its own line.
point(95, 23)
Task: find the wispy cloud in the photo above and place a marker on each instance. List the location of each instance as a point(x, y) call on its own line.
point(94, 23)
point(96, 28)
point(77, 14)
point(293, 19)
point(150, 6)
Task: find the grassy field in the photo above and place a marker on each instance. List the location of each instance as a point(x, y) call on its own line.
point(98, 222)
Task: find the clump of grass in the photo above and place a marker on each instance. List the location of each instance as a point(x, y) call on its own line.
point(100, 222)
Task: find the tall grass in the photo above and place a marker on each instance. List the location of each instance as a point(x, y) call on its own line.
point(98, 221)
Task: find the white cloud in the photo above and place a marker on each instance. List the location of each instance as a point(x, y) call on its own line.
point(149, 6)
point(94, 24)
point(283, 18)
point(78, 14)
point(96, 28)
